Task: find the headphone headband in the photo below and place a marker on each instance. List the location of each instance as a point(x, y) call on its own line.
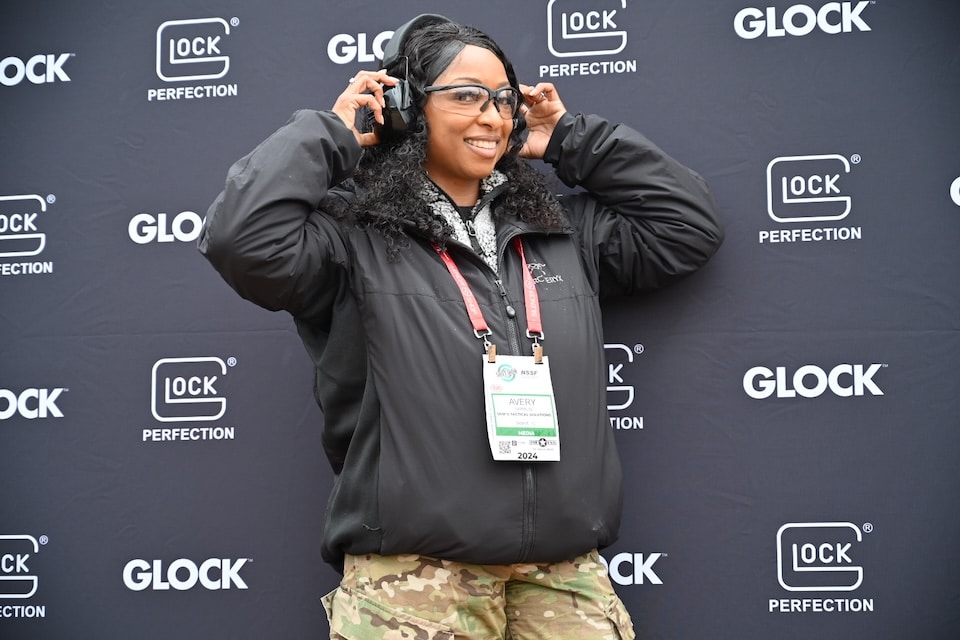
point(394, 49)
point(400, 114)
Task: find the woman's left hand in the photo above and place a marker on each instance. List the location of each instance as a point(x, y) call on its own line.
point(543, 109)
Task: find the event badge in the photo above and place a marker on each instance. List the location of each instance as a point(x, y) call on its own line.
point(521, 411)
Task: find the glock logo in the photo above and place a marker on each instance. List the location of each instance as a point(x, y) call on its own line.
point(807, 188)
point(800, 20)
point(584, 29)
point(30, 403)
point(38, 69)
point(184, 389)
point(818, 556)
point(345, 48)
point(16, 581)
point(184, 574)
point(639, 568)
point(19, 235)
point(623, 393)
point(810, 381)
point(183, 227)
point(190, 49)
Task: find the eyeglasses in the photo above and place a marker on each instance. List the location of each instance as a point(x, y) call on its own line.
point(473, 99)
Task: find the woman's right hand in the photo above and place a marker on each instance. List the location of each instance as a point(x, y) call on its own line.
point(365, 90)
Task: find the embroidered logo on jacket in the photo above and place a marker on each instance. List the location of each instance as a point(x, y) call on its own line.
point(540, 276)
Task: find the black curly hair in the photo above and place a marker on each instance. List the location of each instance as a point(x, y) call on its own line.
point(390, 175)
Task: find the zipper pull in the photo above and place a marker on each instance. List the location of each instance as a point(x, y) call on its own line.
point(511, 312)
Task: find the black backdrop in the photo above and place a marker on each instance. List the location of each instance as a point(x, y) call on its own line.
point(787, 417)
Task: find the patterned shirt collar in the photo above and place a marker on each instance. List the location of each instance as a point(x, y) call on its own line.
point(482, 227)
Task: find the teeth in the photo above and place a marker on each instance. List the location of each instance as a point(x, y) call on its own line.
point(483, 144)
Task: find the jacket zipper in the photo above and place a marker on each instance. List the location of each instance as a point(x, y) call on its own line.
point(513, 334)
point(528, 473)
point(528, 476)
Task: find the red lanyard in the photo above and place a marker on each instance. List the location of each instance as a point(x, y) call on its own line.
point(530, 298)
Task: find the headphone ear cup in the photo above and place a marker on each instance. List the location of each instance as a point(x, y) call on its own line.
point(398, 114)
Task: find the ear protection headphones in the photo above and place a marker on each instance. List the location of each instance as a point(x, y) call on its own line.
point(399, 114)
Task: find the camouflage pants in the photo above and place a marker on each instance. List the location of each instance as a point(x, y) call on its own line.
point(415, 597)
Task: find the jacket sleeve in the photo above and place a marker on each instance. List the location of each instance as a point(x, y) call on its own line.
point(263, 233)
point(645, 219)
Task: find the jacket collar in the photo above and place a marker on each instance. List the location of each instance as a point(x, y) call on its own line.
point(490, 187)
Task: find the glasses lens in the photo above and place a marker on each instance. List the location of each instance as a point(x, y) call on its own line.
point(471, 100)
point(507, 102)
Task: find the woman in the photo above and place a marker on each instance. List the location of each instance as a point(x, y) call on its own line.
point(450, 304)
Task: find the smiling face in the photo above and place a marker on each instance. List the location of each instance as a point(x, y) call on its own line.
point(464, 149)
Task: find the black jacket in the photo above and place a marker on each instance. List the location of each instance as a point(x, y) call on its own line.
point(399, 367)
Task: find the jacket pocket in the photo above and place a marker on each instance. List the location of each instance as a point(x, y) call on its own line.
point(353, 616)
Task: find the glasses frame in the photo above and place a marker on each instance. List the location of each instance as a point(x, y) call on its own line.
point(491, 95)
